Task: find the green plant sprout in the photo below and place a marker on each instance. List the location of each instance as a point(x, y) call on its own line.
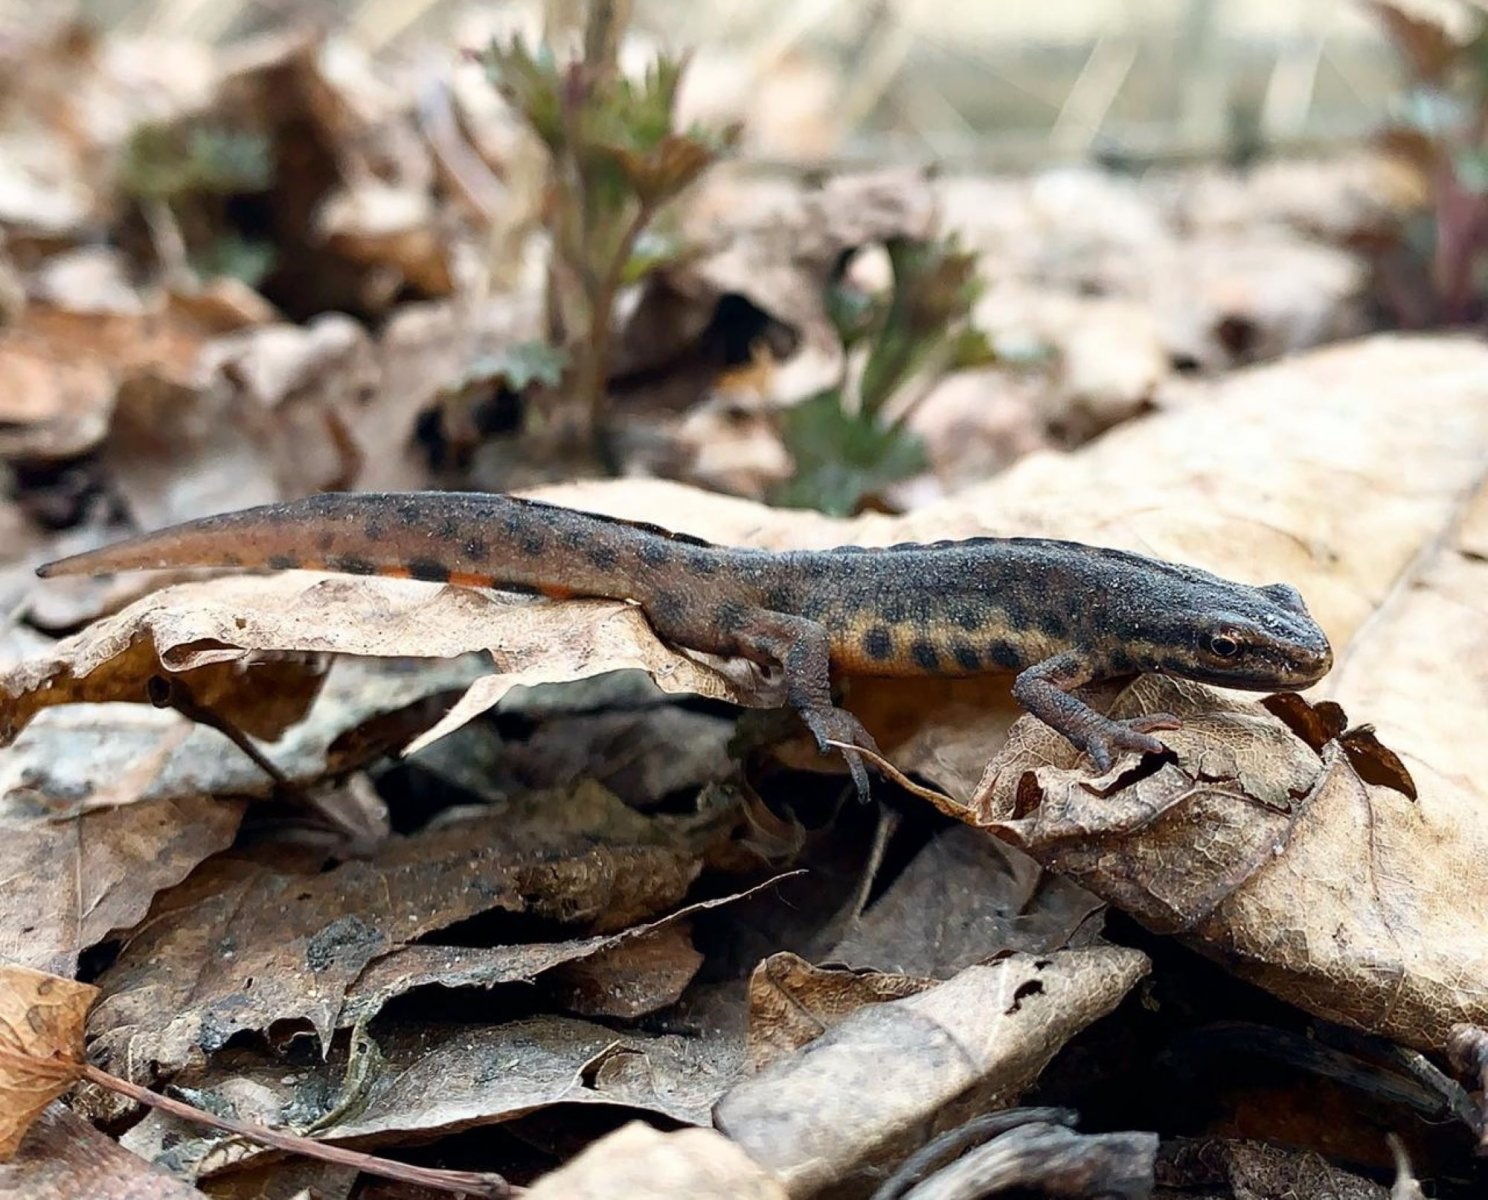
point(615, 162)
point(845, 445)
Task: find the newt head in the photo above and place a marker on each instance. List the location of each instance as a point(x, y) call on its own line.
point(1258, 639)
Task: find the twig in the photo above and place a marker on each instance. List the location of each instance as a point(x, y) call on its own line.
point(475, 1183)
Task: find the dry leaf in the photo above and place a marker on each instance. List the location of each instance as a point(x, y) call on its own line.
point(964, 898)
point(792, 1003)
point(71, 879)
point(1255, 1169)
point(865, 1093)
point(442, 1080)
point(424, 964)
point(41, 1045)
point(636, 1160)
point(299, 935)
point(65, 1158)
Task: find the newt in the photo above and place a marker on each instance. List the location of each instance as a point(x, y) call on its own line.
point(1058, 614)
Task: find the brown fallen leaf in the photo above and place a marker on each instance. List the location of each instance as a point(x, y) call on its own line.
point(72, 881)
point(964, 898)
point(843, 1107)
point(41, 1045)
point(64, 1157)
point(636, 1160)
point(441, 1080)
point(621, 981)
point(300, 935)
point(792, 1002)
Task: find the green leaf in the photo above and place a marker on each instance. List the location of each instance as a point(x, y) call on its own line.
point(519, 366)
point(853, 312)
point(172, 162)
point(1471, 167)
point(652, 251)
point(533, 85)
point(843, 457)
point(233, 255)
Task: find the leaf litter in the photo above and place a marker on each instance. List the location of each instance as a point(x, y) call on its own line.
point(511, 951)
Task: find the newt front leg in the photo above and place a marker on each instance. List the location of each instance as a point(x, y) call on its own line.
point(1043, 690)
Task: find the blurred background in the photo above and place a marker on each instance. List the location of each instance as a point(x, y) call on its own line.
point(967, 83)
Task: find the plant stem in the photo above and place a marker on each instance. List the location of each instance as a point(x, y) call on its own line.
point(474, 1183)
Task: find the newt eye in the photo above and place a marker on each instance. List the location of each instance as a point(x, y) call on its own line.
point(1222, 645)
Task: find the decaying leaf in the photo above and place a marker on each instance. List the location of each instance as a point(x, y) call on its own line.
point(964, 899)
point(72, 877)
point(690, 1164)
point(1255, 1169)
point(842, 1107)
point(792, 1002)
point(65, 1157)
point(41, 1045)
point(446, 1080)
point(610, 981)
point(299, 936)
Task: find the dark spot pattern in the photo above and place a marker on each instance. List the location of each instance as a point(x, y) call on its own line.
point(476, 549)
point(532, 541)
point(654, 553)
point(925, 655)
point(731, 616)
point(571, 536)
point(409, 511)
point(428, 569)
point(1014, 611)
point(1004, 655)
point(372, 531)
point(1052, 622)
point(602, 555)
point(282, 562)
point(355, 564)
point(966, 656)
point(1119, 662)
point(449, 529)
point(668, 609)
point(780, 599)
point(513, 522)
point(965, 614)
point(878, 643)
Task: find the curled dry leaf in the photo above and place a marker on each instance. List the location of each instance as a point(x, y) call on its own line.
point(629, 989)
point(41, 1045)
point(636, 1160)
point(300, 935)
point(792, 1002)
point(842, 1107)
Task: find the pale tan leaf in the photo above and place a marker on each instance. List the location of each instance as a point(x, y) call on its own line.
point(865, 1093)
point(636, 1160)
point(41, 1045)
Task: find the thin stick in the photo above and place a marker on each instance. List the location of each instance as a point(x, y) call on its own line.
point(475, 1183)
